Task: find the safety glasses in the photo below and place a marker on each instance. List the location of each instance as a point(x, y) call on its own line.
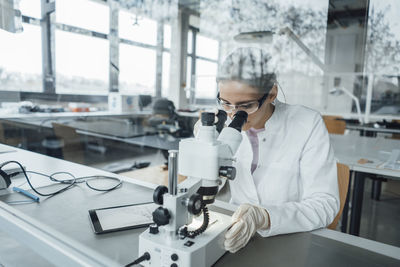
point(249, 107)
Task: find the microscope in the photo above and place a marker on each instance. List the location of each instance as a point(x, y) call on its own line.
point(174, 239)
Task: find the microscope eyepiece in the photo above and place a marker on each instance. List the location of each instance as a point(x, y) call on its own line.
point(222, 116)
point(239, 119)
point(207, 118)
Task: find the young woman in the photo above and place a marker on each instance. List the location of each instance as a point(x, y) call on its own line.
point(286, 177)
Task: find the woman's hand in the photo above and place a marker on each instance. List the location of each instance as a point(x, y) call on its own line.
point(247, 219)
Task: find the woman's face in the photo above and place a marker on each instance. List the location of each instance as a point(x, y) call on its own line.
point(236, 93)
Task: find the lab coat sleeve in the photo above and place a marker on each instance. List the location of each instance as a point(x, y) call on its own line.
point(319, 202)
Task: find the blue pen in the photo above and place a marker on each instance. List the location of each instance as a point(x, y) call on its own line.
point(26, 193)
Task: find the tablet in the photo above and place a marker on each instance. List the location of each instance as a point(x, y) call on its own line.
point(119, 218)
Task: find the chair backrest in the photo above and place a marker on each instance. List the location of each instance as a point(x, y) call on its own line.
point(331, 117)
point(343, 172)
point(73, 149)
point(11, 141)
point(2, 135)
point(334, 125)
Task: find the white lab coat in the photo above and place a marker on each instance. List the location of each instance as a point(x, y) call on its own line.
point(296, 172)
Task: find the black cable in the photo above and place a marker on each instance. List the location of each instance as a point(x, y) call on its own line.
point(71, 182)
point(119, 184)
point(144, 257)
point(30, 184)
point(203, 227)
point(51, 177)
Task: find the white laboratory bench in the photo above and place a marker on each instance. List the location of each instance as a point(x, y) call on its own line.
point(44, 115)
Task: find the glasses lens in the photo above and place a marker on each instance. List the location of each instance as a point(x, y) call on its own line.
point(225, 106)
point(249, 108)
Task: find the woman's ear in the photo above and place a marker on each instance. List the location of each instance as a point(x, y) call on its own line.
point(273, 93)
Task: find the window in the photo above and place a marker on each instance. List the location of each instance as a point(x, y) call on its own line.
point(21, 64)
point(202, 78)
point(189, 42)
point(189, 74)
point(165, 74)
point(84, 14)
point(81, 64)
point(206, 72)
point(383, 56)
point(206, 47)
point(137, 69)
point(167, 36)
point(30, 8)
point(137, 28)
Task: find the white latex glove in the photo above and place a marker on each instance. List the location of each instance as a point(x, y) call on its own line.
point(247, 219)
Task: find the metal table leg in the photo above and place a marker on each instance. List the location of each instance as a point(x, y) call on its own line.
point(376, 189)
point(356, 203)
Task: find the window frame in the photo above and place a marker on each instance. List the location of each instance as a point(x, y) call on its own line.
point(194, 57)
point(49, 26)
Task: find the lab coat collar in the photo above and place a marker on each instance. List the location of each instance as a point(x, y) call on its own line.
point(272, 121)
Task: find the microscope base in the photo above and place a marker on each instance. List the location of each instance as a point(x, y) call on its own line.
point(203, 250)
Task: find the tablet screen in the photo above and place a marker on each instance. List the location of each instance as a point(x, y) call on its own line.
point(122, 217)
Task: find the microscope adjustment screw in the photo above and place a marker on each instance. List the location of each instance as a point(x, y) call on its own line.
point(153, 228)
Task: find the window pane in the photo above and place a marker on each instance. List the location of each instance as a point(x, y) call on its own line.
point(137, 29)
point(21, 64)
point(189, 73)
point(385, 95)
point(81, 64)
point(223, 20)
point(30, 8)
point(206, 72)
point(137, 67)
point(165, 74)
point(206, 47)
point(383, 56)
point(167, 36)
point(84, 14)
point(189, 42)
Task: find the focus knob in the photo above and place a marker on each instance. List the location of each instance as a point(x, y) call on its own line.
point(158, 194)
point(227, 172)
point(161, 216)
point(195, 204)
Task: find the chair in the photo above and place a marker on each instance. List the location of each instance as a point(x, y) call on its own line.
point(343, 172)
point(73, 149)
point(331, 117)
point(6, 139)
point(334, 125)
